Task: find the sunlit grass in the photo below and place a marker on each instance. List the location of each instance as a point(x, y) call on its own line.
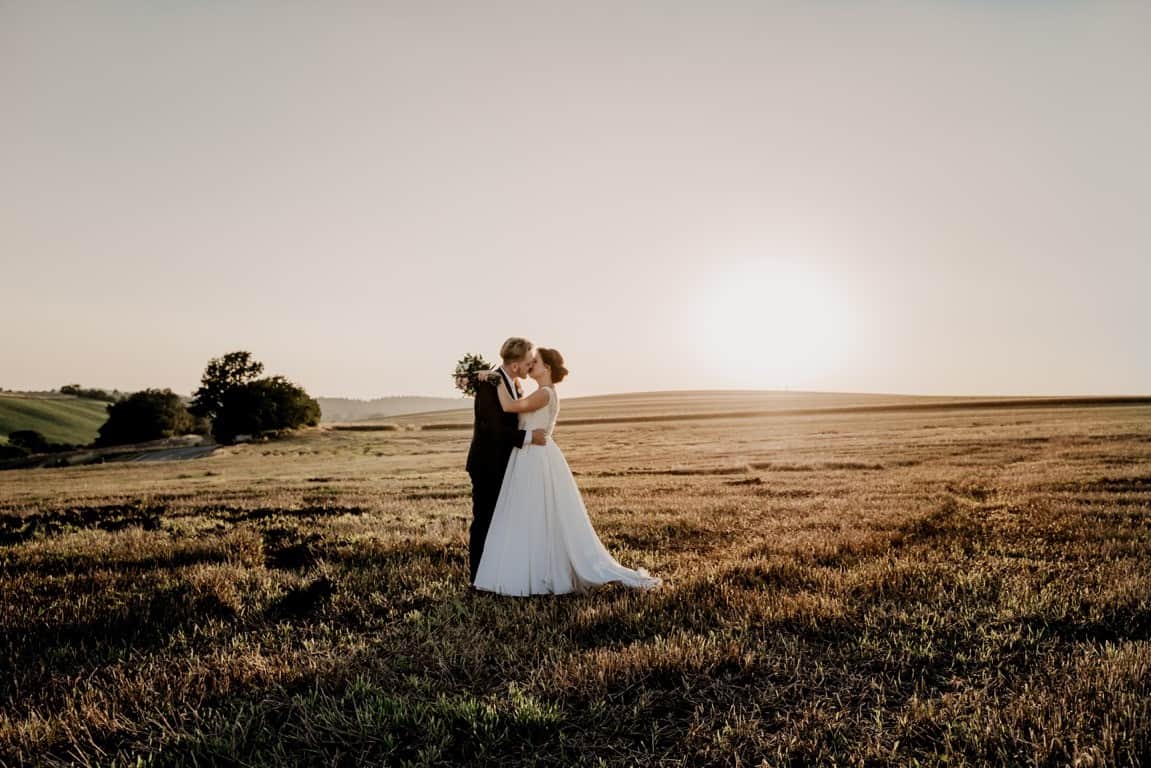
point(951, 588)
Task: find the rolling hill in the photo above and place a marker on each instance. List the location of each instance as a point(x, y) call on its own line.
point(713, 404)
point(344, 409)
point(60, 418)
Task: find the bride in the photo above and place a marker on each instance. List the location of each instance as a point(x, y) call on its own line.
point(541, 540)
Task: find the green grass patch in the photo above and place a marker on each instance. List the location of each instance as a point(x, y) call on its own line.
point(63, 420)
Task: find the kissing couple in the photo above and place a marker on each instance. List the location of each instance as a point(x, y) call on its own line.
point(530, 532)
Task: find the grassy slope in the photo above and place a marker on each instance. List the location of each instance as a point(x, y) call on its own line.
point(61, 420)
point(850, 589)
point(345, 410)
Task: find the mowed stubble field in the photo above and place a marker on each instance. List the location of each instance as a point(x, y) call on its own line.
point(937, 587)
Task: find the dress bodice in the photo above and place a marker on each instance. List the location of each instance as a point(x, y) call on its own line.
point(544, 418)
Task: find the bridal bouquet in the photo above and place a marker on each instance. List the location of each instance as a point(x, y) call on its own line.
point(466, 370)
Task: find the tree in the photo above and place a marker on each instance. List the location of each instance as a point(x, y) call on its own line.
point(264, 405)
point(150, 414)
point(223, 374)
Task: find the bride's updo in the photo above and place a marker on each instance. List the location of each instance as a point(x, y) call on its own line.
point(554, 360)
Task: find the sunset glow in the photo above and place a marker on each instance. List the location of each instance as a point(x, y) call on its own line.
point(775, 325)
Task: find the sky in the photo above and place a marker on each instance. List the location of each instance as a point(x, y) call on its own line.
point(923, 197)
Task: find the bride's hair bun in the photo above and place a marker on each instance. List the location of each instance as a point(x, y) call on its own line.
point(554, 360)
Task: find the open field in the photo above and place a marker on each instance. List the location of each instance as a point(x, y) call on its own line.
point(61, 419)
point(959, 587)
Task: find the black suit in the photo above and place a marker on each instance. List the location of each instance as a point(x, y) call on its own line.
point(495, 435)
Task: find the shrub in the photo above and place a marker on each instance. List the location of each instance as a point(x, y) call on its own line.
point(8, 451)
point(30, 440)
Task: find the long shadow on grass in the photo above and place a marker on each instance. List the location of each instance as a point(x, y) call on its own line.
point(15, 529)
point(38, 654)
point(179, 557)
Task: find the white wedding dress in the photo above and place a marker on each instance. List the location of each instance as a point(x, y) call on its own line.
point(541, 540)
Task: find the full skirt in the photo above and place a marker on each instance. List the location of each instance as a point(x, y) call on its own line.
point(541, 540)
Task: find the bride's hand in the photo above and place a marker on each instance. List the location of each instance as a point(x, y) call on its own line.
point(483, 375)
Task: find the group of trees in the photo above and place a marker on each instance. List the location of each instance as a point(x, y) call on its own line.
point(236, 402)
point(232, 401)
point(91, 394)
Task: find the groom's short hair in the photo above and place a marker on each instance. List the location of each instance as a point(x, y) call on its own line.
point(515, 348)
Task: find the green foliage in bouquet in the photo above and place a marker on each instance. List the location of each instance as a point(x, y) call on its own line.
point(465, 374)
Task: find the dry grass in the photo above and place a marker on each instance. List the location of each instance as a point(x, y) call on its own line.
point(959, 587)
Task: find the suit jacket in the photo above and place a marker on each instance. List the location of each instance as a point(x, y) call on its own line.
point(494, 434)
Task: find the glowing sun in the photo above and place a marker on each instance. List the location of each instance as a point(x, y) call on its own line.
point(773, 325)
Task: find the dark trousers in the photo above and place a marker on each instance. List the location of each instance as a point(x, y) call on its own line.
point(485, 493)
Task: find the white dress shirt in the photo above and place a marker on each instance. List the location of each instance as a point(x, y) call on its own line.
point(515, 396)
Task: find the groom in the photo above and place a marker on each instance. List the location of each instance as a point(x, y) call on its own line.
point(494, 435)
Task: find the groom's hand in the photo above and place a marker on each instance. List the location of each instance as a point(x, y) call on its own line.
point(539, 437)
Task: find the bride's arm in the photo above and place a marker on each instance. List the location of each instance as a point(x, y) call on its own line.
point(491, 422)
point(533, 402)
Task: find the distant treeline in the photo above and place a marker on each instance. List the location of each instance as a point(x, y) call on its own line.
point(92, 394)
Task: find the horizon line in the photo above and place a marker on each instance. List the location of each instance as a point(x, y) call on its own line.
point(669, 391)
